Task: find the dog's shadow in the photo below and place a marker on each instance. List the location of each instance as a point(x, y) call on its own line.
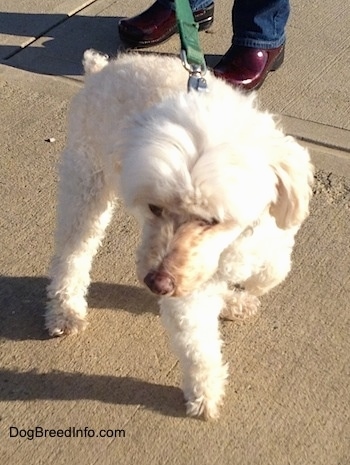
point(23, 300)
point(22, 305)
point(66, 39)
point(59, 385)
point(63, 39)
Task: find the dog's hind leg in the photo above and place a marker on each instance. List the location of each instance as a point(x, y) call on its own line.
point(193, 328)
point(85, 205)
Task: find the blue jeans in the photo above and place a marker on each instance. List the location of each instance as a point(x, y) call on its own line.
point(256, 23)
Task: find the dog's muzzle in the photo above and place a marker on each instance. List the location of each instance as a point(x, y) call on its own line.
point(159, 282)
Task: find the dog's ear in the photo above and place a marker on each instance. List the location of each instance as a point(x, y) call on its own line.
point(294, 178)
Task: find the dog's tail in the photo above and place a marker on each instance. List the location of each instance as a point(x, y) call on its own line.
point(94, 61)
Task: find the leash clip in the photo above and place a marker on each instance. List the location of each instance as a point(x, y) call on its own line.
point(196, 80)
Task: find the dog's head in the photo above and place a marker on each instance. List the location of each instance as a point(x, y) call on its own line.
point(198, 180)
point(178, 255)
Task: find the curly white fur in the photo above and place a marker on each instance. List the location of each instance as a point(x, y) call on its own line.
point(219, 189)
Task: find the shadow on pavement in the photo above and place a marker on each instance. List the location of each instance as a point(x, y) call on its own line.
point(60, 385)
point(66, 40)
point(23, 300)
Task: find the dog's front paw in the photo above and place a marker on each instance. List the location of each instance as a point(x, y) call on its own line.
point(65, 326)
point(240, 305)
point(204, 395)
point(203, 407)
point(62, 321)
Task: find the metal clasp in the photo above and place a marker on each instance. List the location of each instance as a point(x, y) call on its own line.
point(196, 80)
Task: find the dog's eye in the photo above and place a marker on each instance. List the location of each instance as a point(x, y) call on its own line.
point(211, 222)
point(157, 211)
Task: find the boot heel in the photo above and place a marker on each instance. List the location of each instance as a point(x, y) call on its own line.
point(279, 60)
point(205, 17)
point(205, 24)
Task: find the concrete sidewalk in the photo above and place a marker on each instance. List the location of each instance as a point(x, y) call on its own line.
point(288, 399)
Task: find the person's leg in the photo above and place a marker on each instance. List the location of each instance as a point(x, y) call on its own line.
point(158, 23)
point(259, 23)
point(257, 44)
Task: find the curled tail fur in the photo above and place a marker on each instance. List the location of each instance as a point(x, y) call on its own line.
point(94, 61)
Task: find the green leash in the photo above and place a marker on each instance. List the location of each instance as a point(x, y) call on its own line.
point(191, 54)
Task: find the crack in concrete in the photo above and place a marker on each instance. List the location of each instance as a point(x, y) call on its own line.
point(46, 31)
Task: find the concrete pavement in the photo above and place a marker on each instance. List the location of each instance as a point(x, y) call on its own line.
point(288, 399)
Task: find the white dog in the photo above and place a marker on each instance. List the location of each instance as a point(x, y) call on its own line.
point(219, 190)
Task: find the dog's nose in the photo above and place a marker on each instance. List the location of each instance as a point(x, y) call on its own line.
point(159, 282)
